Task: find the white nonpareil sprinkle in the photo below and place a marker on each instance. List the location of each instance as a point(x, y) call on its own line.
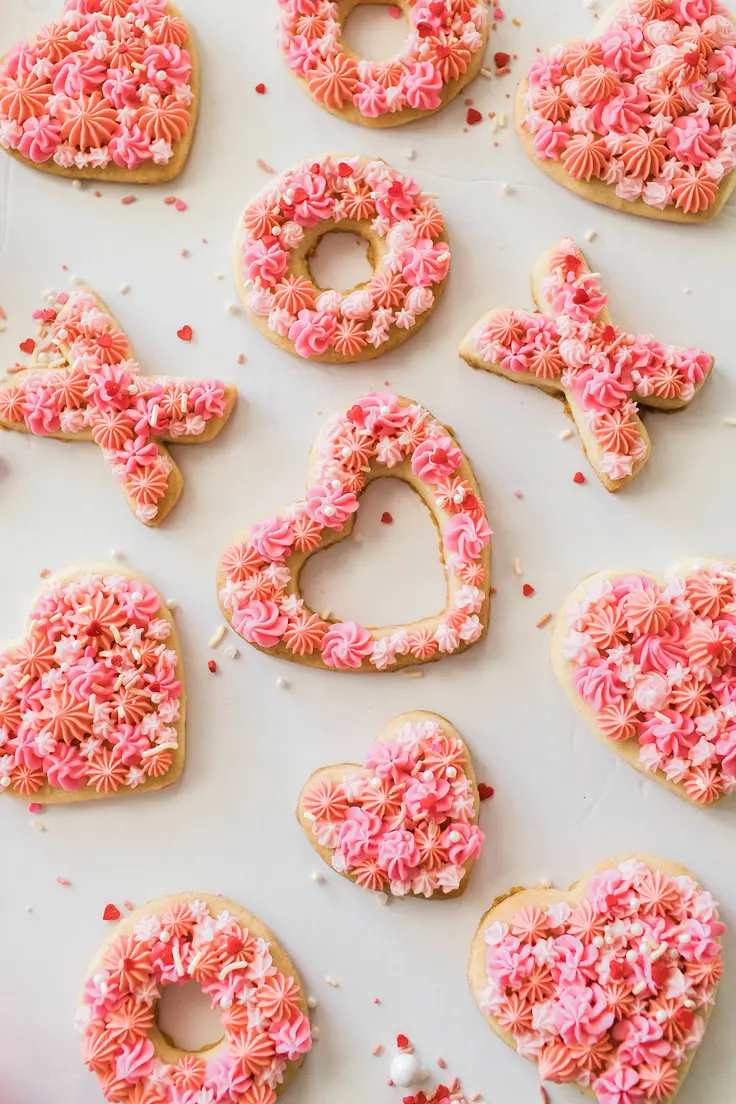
point(116, 554)
point(317, 878)
point(687, 291)
point(77, 184)
point(124, 289)
point(506, 189)
point(565, 434)
point(217, 637)
point(29, 908)
point(332, 981)
point(545, 882)
point(282, 683)
point(232, 308)
point(311, 1002)
point(232, 652)
point(590, 235)
point(382, 898)
point(410, 154)
point(315, 1033)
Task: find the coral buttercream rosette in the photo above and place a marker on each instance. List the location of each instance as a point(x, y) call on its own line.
point(380, 435)
point(609, 986)
point(92, 698)
point(573, 349)
point(109, 91)
point(642, 117)
point(84, 384)
point(404, 823)
point(280, 229)
point(443, 51)
point(652, 668)
point(238, 964)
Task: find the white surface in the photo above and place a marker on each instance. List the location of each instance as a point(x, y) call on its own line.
point(562, 800)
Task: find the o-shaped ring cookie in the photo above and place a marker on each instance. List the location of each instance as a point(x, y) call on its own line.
point(443, 52)
point(281, 228)
point(240, 966)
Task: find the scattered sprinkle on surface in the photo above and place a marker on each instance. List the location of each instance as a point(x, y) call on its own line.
point(544, 620)
point(217, 637)
point(332, 981)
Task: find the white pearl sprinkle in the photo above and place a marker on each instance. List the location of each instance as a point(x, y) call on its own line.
point(385, 411)
point(161, 74)
point(637, 929)
point(689, 1003)
point(165, 936)
point(458, 497)
point(316, 877)
point(376, 783)
point(136, 596)
point(282, 683)
point(598, 941)
point(346, 450)
point(332, 981)
point(311, 1002)
point(631, 955)
point(451, 772)
point(454, 837)
point(660, 1015)
point(684, 938)
point(427, 776)
point(329, 511)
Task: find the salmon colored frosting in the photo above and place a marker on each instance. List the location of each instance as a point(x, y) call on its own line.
point(379, 431)
point(263, 1024)
point(91, 696)
point(444, 35)
point(648, 107)
point(605, 368)
point(657, 664)
point(611, 992)
point(406, 824)
point(108, 83)
point(84, 383)
point(409, 275)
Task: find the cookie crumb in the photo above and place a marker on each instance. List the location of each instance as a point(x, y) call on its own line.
point(358, 537)
point(217, 637)
point(232, 308)
point(332, 981)
point(315, 1032)
point(544, 620)
point(486, 72)
point(44, 573)
point(77, 184)
point(37, 825)
point(506, 189)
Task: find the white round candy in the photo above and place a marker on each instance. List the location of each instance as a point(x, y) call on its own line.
point(405, 1070)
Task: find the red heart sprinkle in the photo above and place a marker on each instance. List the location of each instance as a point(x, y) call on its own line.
point(685, 1018)
point(581, 297)
point(396, 190)
point(386, 517)
point(315, 167)
point(185, 333)
point(578, 477)
point(485, 791)
point(501, 59)
point(439, 456)
point(527, 590)
point(28, 345)
point(355, 414)
point(112, 912)
point(260, 88)
point(660, 973)
point(299, 195)
point(104, 340)
point(437, 8)
point(608, 333)
point(474, 116)
point(34, 807)
point(402, 1041)
point(406, 1099)
point(343, 169)
point(234, 944)
point(692, 59)
point(571, 263)
point(420, 1098)
point(424, 29)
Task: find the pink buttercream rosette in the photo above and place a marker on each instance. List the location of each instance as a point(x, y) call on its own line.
point(281, 227)
point(266, 1030)
point(91, 701)
point(108, 86)
point(380, 432)
point(407, 823)
point(442, 52)
point(612, 992)
point(657, 666)
point(648, 108)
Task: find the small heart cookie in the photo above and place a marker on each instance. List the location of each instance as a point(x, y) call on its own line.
point(651, 666)
point(110, 91)
point(573, 351)
point(381, 435)
point(92, 698)
point(407, 821)
point(84, 385)
point(641, 118)
point(608, 986)
point(237, 962)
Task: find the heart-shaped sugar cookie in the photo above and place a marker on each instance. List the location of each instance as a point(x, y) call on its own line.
point(380, 435)
point(642, 117)
point(109, 91)
point(651, 666)
point(608, 986)
point(237, 962)
point(84, 385)
point(571, 349)
point(405, 822)
point(92, 698)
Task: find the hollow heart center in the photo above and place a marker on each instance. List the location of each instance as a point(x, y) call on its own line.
point(390, 573)
point(376, 30)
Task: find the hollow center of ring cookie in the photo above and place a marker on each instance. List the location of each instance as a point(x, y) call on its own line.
point(186, 1019)
point(342, 259)
point(374, 29)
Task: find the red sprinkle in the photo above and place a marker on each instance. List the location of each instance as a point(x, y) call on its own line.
point(180, 205)
point(27, 346)
point(211, 666)
point(386, 517)
point(34, 807)
point(498, 13)
point(261, 88)
point(127, 200)
point(128, 905)
point(395, 13)
point(527, 590)
point(63, 881)
point(484, 792)
point(685, 1018)
point(112, 912)
point(402, 1041)
point(578, 477)
point(501, 59)
point(474, 116)
point(343, 169)
point(185, 333)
